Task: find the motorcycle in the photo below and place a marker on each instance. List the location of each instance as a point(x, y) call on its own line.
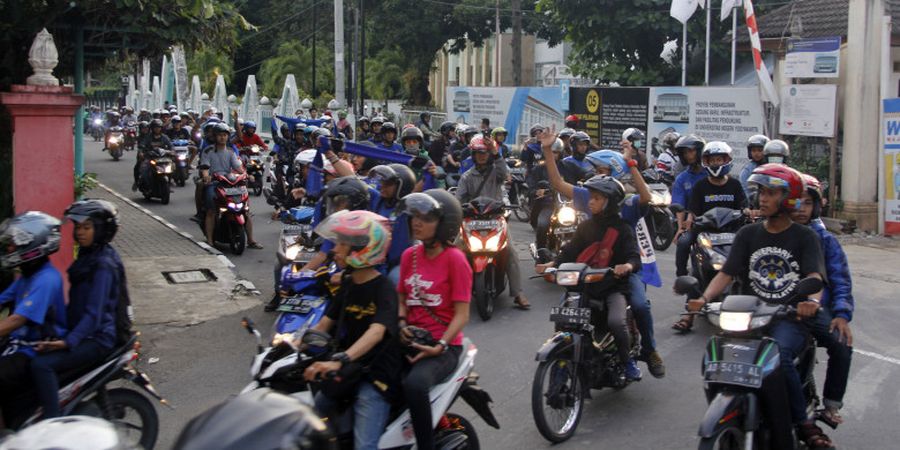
point(518, 190)
point(154, 180)
point(452, 431)
point(661, 221)
point(97, 130)
point(581, 355)
point(253, 162)
point(86, 391)
point(115, 142)
point(181, 148)
point(742, 381)
point(232, 206)
point(130, 136)
point(563, 223)
point(714, 233)
point(484, 233)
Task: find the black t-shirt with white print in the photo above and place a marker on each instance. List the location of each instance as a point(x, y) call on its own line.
point(770, 265)
point(706, 196)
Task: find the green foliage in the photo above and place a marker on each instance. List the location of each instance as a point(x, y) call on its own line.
point(84, 183)
point(294, 57)
point(387, 75)
point(208, 64)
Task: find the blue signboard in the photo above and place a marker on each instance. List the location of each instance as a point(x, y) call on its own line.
point(813, 58)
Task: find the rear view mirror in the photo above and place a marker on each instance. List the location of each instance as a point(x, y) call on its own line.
point(808, 286)
point(685, 285)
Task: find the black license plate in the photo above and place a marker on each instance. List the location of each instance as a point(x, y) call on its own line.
point(299, 305)
point(741, 374)
point(565, 315)
point(564, 230)
point(235, 191)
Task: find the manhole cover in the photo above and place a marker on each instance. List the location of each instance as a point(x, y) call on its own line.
point(190, 276)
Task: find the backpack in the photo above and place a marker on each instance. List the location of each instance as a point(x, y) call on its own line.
point(598, 254)
point(124, 313)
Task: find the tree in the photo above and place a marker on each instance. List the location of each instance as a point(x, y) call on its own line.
point(386, 75)
point(208, 64)
point(296, 58)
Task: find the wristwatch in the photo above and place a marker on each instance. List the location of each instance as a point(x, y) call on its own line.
point(444, 345)
point(341, 357)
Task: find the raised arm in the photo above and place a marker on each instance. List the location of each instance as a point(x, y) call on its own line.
point(547, 138)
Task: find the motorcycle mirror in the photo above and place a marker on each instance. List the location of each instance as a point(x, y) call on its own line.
point(248, 325)
point(685, 285)
point(808, 286)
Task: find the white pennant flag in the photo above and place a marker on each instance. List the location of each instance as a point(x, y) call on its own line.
point(682, 10)
point(727, 6)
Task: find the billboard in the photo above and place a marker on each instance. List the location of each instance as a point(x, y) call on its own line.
point(891, 165)
point(513, 108)
point(605, 112)
point(813, 58)
point(808, 110)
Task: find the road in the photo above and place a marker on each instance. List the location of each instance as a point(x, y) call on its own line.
point(202, 365)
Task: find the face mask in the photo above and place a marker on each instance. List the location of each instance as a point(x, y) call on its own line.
point(637, 143)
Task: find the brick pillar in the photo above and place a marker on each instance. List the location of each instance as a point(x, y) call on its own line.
point(43, 154)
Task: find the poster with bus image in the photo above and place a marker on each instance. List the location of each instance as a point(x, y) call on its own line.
point(513, 108)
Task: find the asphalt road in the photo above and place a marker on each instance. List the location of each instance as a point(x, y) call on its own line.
point(202, 365)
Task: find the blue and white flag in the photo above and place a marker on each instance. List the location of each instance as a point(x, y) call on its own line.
point(649, 271)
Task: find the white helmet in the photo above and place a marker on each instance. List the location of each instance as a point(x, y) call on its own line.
point(305, 157)
point(714, 148)
point(69, 433)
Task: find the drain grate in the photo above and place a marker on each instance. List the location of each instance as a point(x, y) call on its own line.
point(190, 276)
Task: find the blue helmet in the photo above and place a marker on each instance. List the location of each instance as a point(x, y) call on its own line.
point(249, 124)
point(608, 158)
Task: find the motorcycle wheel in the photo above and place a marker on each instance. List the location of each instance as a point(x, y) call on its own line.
point(556, 404)
point(116, 154)
point(134, 416)
point(238, 241)
point(258, 186)
point(665, 232)
point(181, 177)
point(730, 438)
point(523, 212)
point(164, 192)
point(467, 430)
point(483, 300)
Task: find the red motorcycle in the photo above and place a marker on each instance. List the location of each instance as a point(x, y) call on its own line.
point(485, 234)
point(232, 208)
point(130, 136)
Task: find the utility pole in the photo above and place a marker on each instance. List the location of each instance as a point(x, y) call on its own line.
point(362, 56)
point(497, 44)
point(339, 86)
point(354, 67)
point(517, 42)
point(313, 93)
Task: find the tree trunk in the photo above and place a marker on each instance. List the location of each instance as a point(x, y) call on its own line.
point(418, 89)
point(517, 42)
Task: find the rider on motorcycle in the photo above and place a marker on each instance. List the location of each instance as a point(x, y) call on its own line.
point(413, 144)
point(128, 115)
point(455, 155)
point(499, 136)
point(606, 197)
point(344, 193)
point(776, 151)
point(96, 278)
point(486, 179)
point(771, 257)
point(113, 119)
point(667, 163)
point(831, 327)
point(36, 300)
point(218, 159)
point(362, 129)
point(580, 143)
point(364, 320)
point(688, 149)
point(755, 146)
point(565, 135)
point(177, 130)
point(156, 139)
point(395, 181)
point(248, 136)
point(343, 125)
point(440, 146)
point(377, 121)
point(634, 139)
point(389, 138)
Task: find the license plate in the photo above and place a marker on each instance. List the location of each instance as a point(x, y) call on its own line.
point(721, 238)
point(299, 305)
point(741, 374)
point(235, 191)
point(483, 224)
point(659, 187)
point(295, 228)
point(564, 315)
point(564, 230)
point(255, 158)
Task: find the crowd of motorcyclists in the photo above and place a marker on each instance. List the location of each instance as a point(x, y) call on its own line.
point(406, 281)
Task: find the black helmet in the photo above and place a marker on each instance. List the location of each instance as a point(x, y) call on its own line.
point(535, 129)
point(156, 123)
point(566, 133)
point(104, 214)
point(447, 126)
point(439, 204)
point(690, 141)
point(424, 114)
point(776, 151)
point(670, 139)
point(397, 173)
point(350, 191)
point(27, 237)
point(411, 133)
point(611, 188)
point(388, 126)
point(635, 136)
point(756, 141)
point(143, 124)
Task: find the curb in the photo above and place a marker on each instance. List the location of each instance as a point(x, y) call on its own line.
point(211, 250)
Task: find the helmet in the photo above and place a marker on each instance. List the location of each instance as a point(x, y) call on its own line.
point(776, 151)
point(165, 112)
point(439, 204)
point(469, 132)
point(367, 233)
point(28, 236)
point(689, 141)
point(143, 124)
point(756, 141)
point(476, 144)
point(780, 176)
point(635, 136)
point(299, 127)
point(378, 119)
point(814, 189)
point(362, 119)
point(70, 433)
point(220, 127)
point(397, 173)
point(309, 129)
point(304, 158)
point(535, 129)
point(580, 136)
point(716, 148)
point(176, 119)
point(128, 109)
point(319, 132)
point(411, 133)
point(572, 120)
point(342, 114)
point(566, 133)
point(670, 139)
point(498, 130)
point(250, 124)
point(611, 188)
point(156, 123)
point(447, 127)
point(608, 158)
point(102, 213)
point(388, 126)
point(349, 191)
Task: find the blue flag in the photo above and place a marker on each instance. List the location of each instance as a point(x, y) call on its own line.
point(369, 151)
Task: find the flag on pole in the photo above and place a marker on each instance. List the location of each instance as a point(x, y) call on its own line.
point(765, 80)
point(682, 10)
point(727, 6)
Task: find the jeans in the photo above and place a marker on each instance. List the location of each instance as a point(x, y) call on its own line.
point(45, 366)
point(424, 375)
point(839, 356)
point(371, 412)
point(512, 268)
point(640, 307)
point(791, 338)
point(683, 252)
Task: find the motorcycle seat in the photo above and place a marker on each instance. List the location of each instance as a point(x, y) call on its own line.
point(67, 376)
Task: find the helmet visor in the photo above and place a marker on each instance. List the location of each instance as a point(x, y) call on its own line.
point(767, 181)
point(337, 203)
point(421, 205)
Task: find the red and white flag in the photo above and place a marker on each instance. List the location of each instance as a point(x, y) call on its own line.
point(765, 80)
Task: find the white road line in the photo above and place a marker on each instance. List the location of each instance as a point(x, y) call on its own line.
point(878, 356)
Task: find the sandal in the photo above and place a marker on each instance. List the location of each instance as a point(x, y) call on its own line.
point(521, 303)
point(814, 437)
point(255, 245)
point(684, 325)
point(830, 416)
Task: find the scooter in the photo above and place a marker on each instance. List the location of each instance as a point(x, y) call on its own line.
point(661, 221)
point(518, 190)
point(115, 142)
point(714, 233)
point(484, 234)
point(181, 148)
point(154, 180)
point(253, 162)
point(97, 130)
point(232, 206)
point(130, 136)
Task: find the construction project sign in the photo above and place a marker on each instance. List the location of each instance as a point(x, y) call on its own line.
point(891, 166)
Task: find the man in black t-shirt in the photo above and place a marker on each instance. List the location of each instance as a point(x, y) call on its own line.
point(770, 258)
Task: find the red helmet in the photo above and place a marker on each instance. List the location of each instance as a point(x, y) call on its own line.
point(572, 118)
point(780, 176)
point(477, 144)
point(814, 188)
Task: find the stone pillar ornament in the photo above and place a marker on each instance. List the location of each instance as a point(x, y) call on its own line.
point(43, 57)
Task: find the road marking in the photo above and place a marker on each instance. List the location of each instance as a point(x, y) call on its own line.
point(878, 356)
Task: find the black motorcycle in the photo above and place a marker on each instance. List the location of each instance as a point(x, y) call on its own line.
point(661, 221)
point(253, 161)
point(155, 176)
point(518, 190)
point(581, 355)
point(714, 233)
point(563, 223)
point(744, 386)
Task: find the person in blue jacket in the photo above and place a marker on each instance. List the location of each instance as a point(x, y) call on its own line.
point(688, 149)
point(95, 282)
point(389, 138)
point(36, 300)
point(755, 146)
point(831, 326)
point(394, 181)
point(581, 143)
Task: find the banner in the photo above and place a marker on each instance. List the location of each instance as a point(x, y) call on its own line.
point(813, 58)
point(891, 164)
point(605, 113)
point(808, 110)
point(513, 108)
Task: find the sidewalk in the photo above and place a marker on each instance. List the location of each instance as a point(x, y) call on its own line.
point(149, 247)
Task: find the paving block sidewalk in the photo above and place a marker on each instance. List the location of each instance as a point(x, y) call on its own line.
point(149, 247)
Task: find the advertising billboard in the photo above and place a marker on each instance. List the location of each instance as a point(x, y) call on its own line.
point(513, 108)
point(813, 58)
point(808, 110)
point(891, 165)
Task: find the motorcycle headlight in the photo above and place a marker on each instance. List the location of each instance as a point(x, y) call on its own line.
point(97, 121)
point(717, 260)
point(493, 243)
point(280, 338)
point(660, 198)
point(114, 140)
point(567, 278)
point(182, 157)
point(167, 168)
point(704, 241)
point(474, 243)
point(292, 251)
point(566, 216)
point(735, 321)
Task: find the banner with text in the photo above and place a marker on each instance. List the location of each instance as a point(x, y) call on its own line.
point(891, 165)
point(513, 108)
